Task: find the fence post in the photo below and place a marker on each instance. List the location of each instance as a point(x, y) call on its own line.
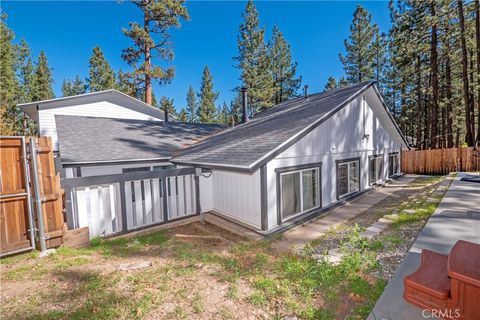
point(123, 206)
point(165, 199)
point(38, 196)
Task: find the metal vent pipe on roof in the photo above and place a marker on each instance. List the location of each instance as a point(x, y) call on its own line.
point(244, 105)
point(305, 91)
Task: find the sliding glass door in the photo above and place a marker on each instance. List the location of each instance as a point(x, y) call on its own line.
point(375, 169)
point(299, 191)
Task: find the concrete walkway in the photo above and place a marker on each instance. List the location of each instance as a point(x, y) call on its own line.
point(456, 218)
point(296, 238)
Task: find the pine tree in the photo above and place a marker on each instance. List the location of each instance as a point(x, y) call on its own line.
point(380, 60)
point(359, 59)
point(42, 85)
point(25, 78)
point(207, 97)
point(25, 72)
point(235, 110)
point(183, 115)
point(331, 84)
point(158, 18)
point(100, 75)
point(191, 105)
point(127, 85)
point(253, 61)
point(283, 70)
point(342, 83)
point(167, 106)
point(223, 114)
point(8, 81)
point(73, 88)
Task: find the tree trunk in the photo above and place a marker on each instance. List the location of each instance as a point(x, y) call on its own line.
point(148, 61)
point(472, 97)
point(477, 40)
point(448, 93)
point(434, 68)
point(418, 118)
point(466, 87)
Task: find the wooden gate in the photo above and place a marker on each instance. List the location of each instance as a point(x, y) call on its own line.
point(17, 208)
point(16, 220)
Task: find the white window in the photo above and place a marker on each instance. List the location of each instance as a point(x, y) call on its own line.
point(348, 177)
point(375, 169)
point(393, 164)
point(300, 192)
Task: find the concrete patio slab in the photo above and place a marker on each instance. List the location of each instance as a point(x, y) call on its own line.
point(456, 218)
point(296, 238)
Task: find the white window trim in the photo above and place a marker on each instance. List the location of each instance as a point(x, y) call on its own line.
point(317, 169)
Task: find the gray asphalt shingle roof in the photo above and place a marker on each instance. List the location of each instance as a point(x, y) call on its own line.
point(91, 139)
point(246, 145)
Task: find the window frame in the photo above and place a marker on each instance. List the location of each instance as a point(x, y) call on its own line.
point(293, 169)
point(372, 157)
point(397, 172)
point(346, 161)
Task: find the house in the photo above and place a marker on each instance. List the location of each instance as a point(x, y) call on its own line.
point(91, 128)
point(279, 168)
point(299, 158)
point(105, 104)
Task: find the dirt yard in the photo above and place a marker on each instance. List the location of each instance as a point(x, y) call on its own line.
point(196, 272)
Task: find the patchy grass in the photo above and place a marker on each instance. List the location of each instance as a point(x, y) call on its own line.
point(230, 279)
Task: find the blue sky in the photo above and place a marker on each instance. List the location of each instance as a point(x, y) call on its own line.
point(68, 30)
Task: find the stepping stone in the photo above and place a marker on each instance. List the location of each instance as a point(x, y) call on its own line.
point(409, 211)
point(384, 220)
point(134, 265)
point(369, 234)
point(334, 256)
point(391, 217)
point(379, 225)
point(432, 200)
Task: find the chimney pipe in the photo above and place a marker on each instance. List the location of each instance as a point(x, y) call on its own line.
point(244, 105)
point(305, 91)
point(166, 115)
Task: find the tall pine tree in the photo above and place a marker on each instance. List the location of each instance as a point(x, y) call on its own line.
point(168, 107)
point(8, 81)
point(207, 97)
point(159, 17)
point(191, 105)
point(331, 84)
point(359, 59)
point(42, 85)
point(253, 61)
point(285, 81)
point(74, 87)
point(100, 75)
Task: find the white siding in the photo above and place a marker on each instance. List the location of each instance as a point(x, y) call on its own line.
point(342, 136)
point(237, 195)
point(103, 109)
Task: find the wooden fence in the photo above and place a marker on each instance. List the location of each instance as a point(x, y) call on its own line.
point(17, 208)
point(440, 161)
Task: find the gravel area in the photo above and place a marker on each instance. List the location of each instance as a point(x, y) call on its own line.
point(396, 241)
